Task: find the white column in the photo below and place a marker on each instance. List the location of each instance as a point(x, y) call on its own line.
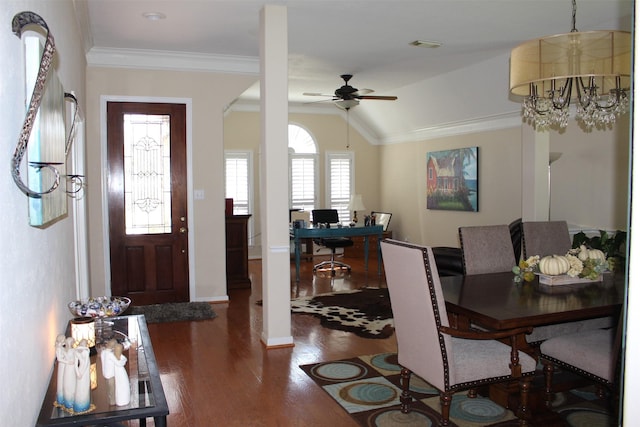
point(630, 407)
point(274, 181)
point(535, 174)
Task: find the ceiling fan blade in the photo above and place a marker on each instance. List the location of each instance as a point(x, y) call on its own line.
point(319, 101)
point(383, 98)
point(317, 94)
point(361, 92)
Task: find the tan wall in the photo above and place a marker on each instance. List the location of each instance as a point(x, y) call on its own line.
point(242, 132)
point(209, 94)
point(404, 186)
point(589, 188)
point(589, 182)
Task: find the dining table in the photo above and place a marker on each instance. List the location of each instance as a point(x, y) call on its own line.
point(497, 302)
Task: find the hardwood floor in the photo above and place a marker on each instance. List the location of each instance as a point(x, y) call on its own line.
point(218, 372)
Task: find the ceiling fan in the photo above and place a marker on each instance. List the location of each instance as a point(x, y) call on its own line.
point(348, 96)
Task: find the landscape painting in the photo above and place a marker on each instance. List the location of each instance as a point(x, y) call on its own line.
point(452, 179)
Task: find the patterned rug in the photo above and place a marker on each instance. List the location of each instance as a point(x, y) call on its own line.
point(174, 312)
point(368, 388)
point(365, 312)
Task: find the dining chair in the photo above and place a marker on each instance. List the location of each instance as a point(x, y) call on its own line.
point(486, 249)
point(515, 228)
point(325, 218)
point(552, 238)
point(448, 260)
point(450, 360)
point(545, 238)
point(593, 354)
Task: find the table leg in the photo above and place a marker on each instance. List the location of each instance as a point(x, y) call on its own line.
point(366, 253)
point(296, 242)
point(379, 254)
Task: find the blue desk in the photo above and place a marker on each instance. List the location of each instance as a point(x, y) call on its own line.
point(299, 234)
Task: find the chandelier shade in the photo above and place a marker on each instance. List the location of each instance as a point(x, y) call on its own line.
point(591, 69)
point(604, 55)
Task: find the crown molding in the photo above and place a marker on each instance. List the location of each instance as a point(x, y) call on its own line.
point(174, 61)
point(180, 61)
point(481, 124)
point(328, 108)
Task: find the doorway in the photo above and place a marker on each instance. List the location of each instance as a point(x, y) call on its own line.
point(147, 201)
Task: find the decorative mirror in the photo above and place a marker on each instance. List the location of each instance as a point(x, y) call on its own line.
point(383, 219)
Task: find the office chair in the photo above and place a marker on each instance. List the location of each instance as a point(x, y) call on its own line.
point(326, 217)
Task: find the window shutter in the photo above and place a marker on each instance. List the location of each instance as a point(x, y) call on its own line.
point(340, 183)
point(303, 184)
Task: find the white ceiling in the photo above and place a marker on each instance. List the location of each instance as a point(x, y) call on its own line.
point(462, 82)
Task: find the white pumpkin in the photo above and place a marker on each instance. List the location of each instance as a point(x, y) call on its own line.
point(583, 255)
point(554, 265)
point(586, 253)
point(596, 254)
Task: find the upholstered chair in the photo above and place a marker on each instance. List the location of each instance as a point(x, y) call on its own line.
point(593, 354)
point(449, 359)
point(486, 249)
point(545, 238)
point(552, 238)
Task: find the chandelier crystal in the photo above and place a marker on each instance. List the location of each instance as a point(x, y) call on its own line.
point(597, 64)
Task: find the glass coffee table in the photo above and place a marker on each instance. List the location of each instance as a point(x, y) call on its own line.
point(147, 394)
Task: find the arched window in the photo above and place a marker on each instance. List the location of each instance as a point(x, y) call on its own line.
point(303, 170)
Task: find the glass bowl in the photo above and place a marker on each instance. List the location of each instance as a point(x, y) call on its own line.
point(99, 307)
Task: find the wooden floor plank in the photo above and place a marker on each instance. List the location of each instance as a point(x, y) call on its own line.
point(218, 372)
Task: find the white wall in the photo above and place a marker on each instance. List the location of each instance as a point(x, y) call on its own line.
point(37, 265)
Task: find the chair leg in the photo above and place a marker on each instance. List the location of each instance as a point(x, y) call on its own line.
point(445, 407)
point(523, 409)
point(405, 396)
point(548, 379)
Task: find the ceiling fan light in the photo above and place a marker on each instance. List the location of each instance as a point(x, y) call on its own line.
point(154, 16)
point(345, 104)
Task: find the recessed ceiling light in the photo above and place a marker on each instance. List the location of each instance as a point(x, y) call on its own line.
point(154, 16)
point(425, 43)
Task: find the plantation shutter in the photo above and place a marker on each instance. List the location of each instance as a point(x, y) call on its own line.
point(238, 175)
point(303, 176)
point(340, 183)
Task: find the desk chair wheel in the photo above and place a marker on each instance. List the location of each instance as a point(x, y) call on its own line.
point(333, 266)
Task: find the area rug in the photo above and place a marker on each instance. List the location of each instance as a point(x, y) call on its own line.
point(368, 388)
point(365, 312)
point(174, 312)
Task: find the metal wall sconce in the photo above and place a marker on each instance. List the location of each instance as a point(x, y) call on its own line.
point(20, 22)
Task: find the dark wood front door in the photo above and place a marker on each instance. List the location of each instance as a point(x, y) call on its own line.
point(147, 196)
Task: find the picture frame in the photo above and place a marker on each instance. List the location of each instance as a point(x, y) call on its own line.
point(452, 179)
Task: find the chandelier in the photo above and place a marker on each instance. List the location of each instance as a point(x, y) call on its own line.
point(597, 64)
